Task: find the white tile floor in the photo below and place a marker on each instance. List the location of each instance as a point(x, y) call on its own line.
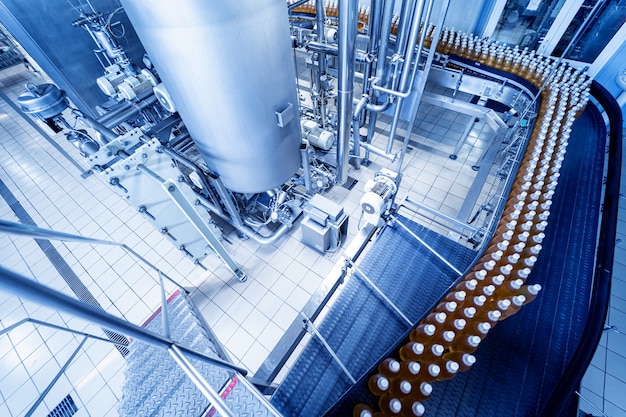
point(248, 318)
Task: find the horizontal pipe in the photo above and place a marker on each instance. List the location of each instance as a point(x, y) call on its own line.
point(378, 151)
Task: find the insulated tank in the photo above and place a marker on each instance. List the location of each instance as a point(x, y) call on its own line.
point(229, 69)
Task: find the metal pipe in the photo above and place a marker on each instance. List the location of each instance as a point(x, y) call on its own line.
point(205, 388)
point(385, 33)
point(407, 15)
point(347, 48)
point(107, 134)
point(320, 15)
point(378, 151)
point(125, 112)
point(356, 125)
point(306, 168)
point(23, 287)
point(227, 200)
point(406, 72)
point(46, 390)
point(165, 321)
point(420, 88)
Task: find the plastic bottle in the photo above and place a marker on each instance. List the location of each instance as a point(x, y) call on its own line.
point(423, 333)
point(467, 344)
point(422, 391)
point(466, 285)
point(510, 287)
point(465, 360)
point(456, 325)
point(478, 328)
point(436, 318)
point(389, 368)
point(378, 384)
point(390, 405)
point(400, 387)
point(448, 307)
point(448, 371)
point(516, 303)
point(409, 370)
point(362, 410)
point(429, 373)
point(412, 351)
point(466, 313)
point(432, 353)
point(457, 296)
point(412, 408)
point(444, 338)
point(500, 305)
point(530, 292)
point(476, 301)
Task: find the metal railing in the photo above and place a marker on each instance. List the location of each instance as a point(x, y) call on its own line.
point(21, 286)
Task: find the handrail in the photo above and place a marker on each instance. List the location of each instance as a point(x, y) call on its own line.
point(47, 390)
point(20, 229)
point(39, 293)
point(57, 327)
point(601, 292)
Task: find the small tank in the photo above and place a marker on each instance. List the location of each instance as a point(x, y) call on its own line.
point(45, 100)
point(229, 70)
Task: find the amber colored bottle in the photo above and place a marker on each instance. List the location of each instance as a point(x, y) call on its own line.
point(516, 303)
point(457, 296)
point(465, 360)
point(466, 285)
point(400, 387)
point(444, 338)
point(456, 325)
point(409, 370)
point(412, 351)
point(500, 305)
point(448, 307)
point(423, 333)
point(378, 384)
point(490, 316)
point(479, 329)
point(389, 367)
point(530, 292)
point(510, 287)
point(467, 344)
point(422, 391)
point(436, 318)
point(466, 313)
point(362, 410)
point(432, 353)
point(390, 405)
point(429, 373)
point(476, 301)
point(411, 408)
point(448, 371)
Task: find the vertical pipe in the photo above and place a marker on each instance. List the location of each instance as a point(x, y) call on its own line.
point(320, 15)
point(406, 71)
point(347, 40)
point(306, 168)
point(385, 31)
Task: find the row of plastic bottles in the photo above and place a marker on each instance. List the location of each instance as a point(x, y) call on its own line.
point(444, 343)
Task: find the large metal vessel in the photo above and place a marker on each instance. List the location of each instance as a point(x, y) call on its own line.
point(229, 69)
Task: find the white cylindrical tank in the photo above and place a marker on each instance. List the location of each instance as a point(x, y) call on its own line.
point(229, 68)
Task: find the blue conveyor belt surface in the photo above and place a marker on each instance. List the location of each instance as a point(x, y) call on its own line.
point(359, 327)
point(521, 360)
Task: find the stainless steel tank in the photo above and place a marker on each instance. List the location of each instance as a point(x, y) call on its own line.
point(229, 69)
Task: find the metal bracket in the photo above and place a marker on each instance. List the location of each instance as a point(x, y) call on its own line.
point(176, 194)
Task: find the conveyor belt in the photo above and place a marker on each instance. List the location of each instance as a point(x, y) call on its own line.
point(522, 359)
point(359, 327)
